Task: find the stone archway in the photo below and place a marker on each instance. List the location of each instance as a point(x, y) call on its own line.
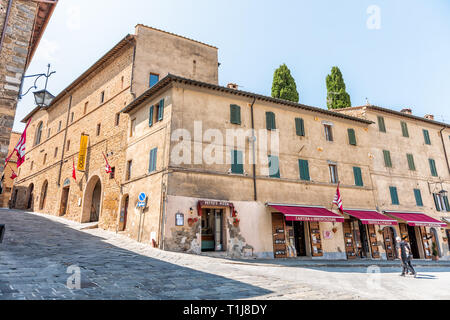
point(30, 197)
point(43, 195)
point(92, 203)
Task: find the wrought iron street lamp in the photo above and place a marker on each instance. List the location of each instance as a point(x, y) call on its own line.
point(43, 98)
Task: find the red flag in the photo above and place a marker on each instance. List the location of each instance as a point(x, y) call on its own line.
point(73, 171)
point(19, 149)
point(107, 166)
point(338, 200)
point(13, 175)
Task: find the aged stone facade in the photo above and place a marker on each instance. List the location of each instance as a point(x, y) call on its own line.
point(7, 184)
point(22, 24)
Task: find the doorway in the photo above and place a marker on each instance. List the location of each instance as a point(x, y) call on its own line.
point(124, 213)
point(212, 233)
point(43, 195)
point(413, 242)
point(64, 201)
point(389, 243)
point(92, 200)
point(30, 196)
point(296, 238)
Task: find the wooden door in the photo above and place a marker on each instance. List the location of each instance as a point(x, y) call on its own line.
point(279, 235)
point(316, 241)
point(348, 238)
point(427, 248)
point(389, 243)
point(64, 199)
point(373, 242)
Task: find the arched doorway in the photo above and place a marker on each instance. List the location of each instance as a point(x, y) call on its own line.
point(124, 213)
point(389, 243)
point(30, 196)
point(92, 200)
point(43, 195)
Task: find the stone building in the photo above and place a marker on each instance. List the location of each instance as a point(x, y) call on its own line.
point(91, 106)
point(22, 24)
point(7, 183)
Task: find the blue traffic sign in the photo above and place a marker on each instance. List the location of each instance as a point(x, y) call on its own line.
point(142, 196)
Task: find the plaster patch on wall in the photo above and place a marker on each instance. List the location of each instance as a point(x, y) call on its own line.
point(185, 239)
point(237, 246)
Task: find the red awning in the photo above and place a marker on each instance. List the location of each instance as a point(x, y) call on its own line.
point(304, 213)
point(371, 217)
point(417, 219)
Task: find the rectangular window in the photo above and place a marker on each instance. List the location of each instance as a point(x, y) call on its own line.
point(351, 137)
point(304, 170)
point(117, 119)
point(31, 166)
point(274, 167)
point(161, 110)
point(59, 126)
point(387, 159)
point(45, 159)
point(112, 174)
point(433, 167)
point(150, 115)
point(405, 132)
point(152, 161)
point(154, 79)
point(99, 125)
point(56, 152)
point(237, 163)
point(235, 114)
point(68, 145)
point(394, 195)
point(358, 177)
point(270, 121)
point(71, 117)
point(102, 97)
point(85, 107)
point(129, 166)
point(381, 125)
point(300, 127)
point(426, 137)
point(411, 163)
point(333, 173)
point(439, 202)
point(133, 127)
point(328, 132)
point(418, 197)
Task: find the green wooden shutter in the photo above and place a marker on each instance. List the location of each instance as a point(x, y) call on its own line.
point(358, 176)
point(161, 110)
point(447, 205)
point(433, 167)
point(436, 202)
point(381, 125)
point(274, 167)
point(426, 136)
point(387, 158)
point(304, 169)
point(235, 114)
point(150, 116)
point(237, 164)
point(152, 162)
point(405, 129)
point(270, 121)
point(300, 127)
point(411, 164)
point(394, 195)
point(351, 137)
point(418, 197)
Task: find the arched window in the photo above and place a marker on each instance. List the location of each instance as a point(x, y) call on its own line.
point(38, 135)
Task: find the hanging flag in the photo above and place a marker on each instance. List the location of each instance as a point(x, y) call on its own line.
point(107, 166)
point(73, 170)
point(338, 200)
point(19, 149)
point(13, 175)
point(81, 164)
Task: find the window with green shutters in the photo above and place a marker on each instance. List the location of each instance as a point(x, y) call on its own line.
point(433, 167)
point(387, 159)
point(394, 195)
point(411, 164)
point(237, 163)
point(304, 170)
point(274, 167)
point(405, 132)
point(152, 161)
point(447, 204)
point(150, 116)
point(351, 137)
point(426, 136)
point(235, 114)
point(438, 202)
point(418, 197)
point(358, 177)
point(300, 127)
point(381, 125)
point(270, 120)
point(161, 110)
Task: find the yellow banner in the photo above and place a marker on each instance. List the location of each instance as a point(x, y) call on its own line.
point(81, 164)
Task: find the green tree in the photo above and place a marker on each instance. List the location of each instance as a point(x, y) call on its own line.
point(283, 86)
point(337, 97)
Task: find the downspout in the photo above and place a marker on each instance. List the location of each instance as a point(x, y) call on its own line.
point(445, 151)
point(64, 142)
point(5, 25)
point(255, 197)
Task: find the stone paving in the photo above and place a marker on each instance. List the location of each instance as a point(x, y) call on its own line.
point(39, 250)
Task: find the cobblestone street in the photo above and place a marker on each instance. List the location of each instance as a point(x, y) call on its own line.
point(38, 251)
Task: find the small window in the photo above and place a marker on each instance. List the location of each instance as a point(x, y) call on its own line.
point(117, 119)
point(351, 137)
point(133, 127)
point(85, 107)
point(274, 167)
point(426, 136)
point(381, 125)
point(31, 166)
point(152, 161)
point(68, 145)
point(102, 97)
point(59, 126)
point(411, 164)
point(71, 117)
point(358, 177)
point(129, 166)
point(56, 152)
point(387, 159)
point(154, 79)
point(45, 159)
point(121, 82)
point(304, 170)
point(270, 121)
point(328, 132)
point(38, 133)
point(161, 110)
point(99, 125)
point(300, 127)
point(235, 114)
point(112, 174)
point(237, 162)
point(433, 167)
point(405, 132)
point(333, 173)
point(394, 195)
point(418, 197)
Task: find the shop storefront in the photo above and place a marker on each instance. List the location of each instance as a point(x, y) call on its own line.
point(360, 234)
point(413, 226)
point(296, 230)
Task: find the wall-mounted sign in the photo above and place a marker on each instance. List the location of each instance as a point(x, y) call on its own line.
point(81, 164)
point(179, 219)
point(141, 200)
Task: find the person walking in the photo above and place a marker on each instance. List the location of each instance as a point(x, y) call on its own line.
point(406, 256)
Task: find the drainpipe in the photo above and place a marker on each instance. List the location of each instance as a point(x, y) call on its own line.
point(445, 151)
point(5, 25)
point(255, 197)
point(64, 143)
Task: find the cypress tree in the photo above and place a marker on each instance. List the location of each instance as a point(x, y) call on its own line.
point(337, 97)
point(283, 85)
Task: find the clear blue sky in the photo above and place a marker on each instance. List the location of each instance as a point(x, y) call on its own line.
point(405, 63)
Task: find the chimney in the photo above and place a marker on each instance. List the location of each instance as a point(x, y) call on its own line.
point(407, 111)
point(232, 86)
point(429, 117)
